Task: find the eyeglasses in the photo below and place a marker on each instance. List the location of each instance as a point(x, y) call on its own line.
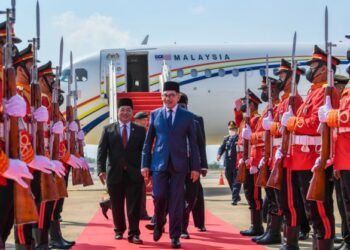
point(171, 95)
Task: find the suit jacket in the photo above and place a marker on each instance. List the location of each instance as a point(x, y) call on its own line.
point(228, 147)
point(111, 147)
point(171, 142)
point(201, 145)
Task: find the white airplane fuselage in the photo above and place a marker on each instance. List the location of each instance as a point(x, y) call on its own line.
point(211, 76)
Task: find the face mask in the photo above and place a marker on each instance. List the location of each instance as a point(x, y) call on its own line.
point(231, 132)
point(60, 99)
point(311, 73)
point(244, 108)
point(264, 96)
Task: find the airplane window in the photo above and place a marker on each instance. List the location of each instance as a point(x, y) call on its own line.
point(262, 72)
point(81, 75)
point(221, 72)
point(194, 72)
point(180, 73)
point(207, 73)
point(235, 72)
point(65, 74)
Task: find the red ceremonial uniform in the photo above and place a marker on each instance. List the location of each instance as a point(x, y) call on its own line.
point(340, 118)
point(306, 140)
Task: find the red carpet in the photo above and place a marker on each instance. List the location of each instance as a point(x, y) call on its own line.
point(220, 235)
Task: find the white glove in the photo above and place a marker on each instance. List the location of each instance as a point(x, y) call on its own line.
point(247, 133)
point(324, 110)
point(58, 168)
point(286, 116)
point(17, 170)
point(241, 161)
point(317, 163)
point(81, 135)
point(41, 163)
point(261, 163)
point(278, 154)
point(16, 106)
point(58, 128)
point(253, 170)
point(73, 126)
point(41, 114)
point(84, 163)
point(267, 121)
point(74, 162)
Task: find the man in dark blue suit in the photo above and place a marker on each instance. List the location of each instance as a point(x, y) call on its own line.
point(171, 127)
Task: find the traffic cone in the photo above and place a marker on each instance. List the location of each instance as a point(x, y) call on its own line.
point(221, 179)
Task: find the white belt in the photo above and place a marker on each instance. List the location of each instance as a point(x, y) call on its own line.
point(277, 141)
point(240, 148)
point(258, 145)
point(344, 130)
point(307, 140)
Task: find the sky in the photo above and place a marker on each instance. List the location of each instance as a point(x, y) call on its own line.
point(90, 25)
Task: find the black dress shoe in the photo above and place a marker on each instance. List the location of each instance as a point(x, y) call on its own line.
point(338, 240)
point(150, 226)
point(157, 233)
point(202, 229)
point(175, 243)
point(118, 236)
point(185, 235)
point(303, 235)
point(135, 239)
point(234, 203)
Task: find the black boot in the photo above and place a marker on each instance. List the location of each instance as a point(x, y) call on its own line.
point(41, 238)
point(56, 239)
point(343, 246)
point(256, 227)
point(290, 238)
point(105, 205)
point(266, 231)
point(274, 234)
point(324, 244)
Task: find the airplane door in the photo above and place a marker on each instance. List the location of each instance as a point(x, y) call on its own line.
point(118, 58)
point(137, 73)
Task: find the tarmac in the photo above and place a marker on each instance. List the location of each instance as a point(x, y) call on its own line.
point(83, 203)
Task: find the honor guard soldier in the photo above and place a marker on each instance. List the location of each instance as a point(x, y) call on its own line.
point(339, 119)
point(252, 192)
point(228, 149)
point(272, 234)
point(38, 163)
point(52, 221)
point(291, 204)
point(10, 169)
point(306, 147)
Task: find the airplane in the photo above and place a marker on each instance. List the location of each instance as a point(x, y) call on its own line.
point(211, 76)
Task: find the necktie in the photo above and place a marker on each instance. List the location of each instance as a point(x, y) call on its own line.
point(125, 136)
point(170, 118)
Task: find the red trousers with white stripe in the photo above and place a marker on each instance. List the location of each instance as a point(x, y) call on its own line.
point(252, 192)
point(319, 213)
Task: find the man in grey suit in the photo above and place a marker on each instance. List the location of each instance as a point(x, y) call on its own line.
point(122, 143)
point(170, 128)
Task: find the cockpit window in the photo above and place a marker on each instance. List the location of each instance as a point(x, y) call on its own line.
point(81, 75)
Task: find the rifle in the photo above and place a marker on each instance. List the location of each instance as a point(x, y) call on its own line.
point(71, 136)
point(24, 205)
point(317, 188)
point(86, 176)
point(55, 138)
point(241, 174)
point(275, 179)
point(262, 179)
point(47, 183)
